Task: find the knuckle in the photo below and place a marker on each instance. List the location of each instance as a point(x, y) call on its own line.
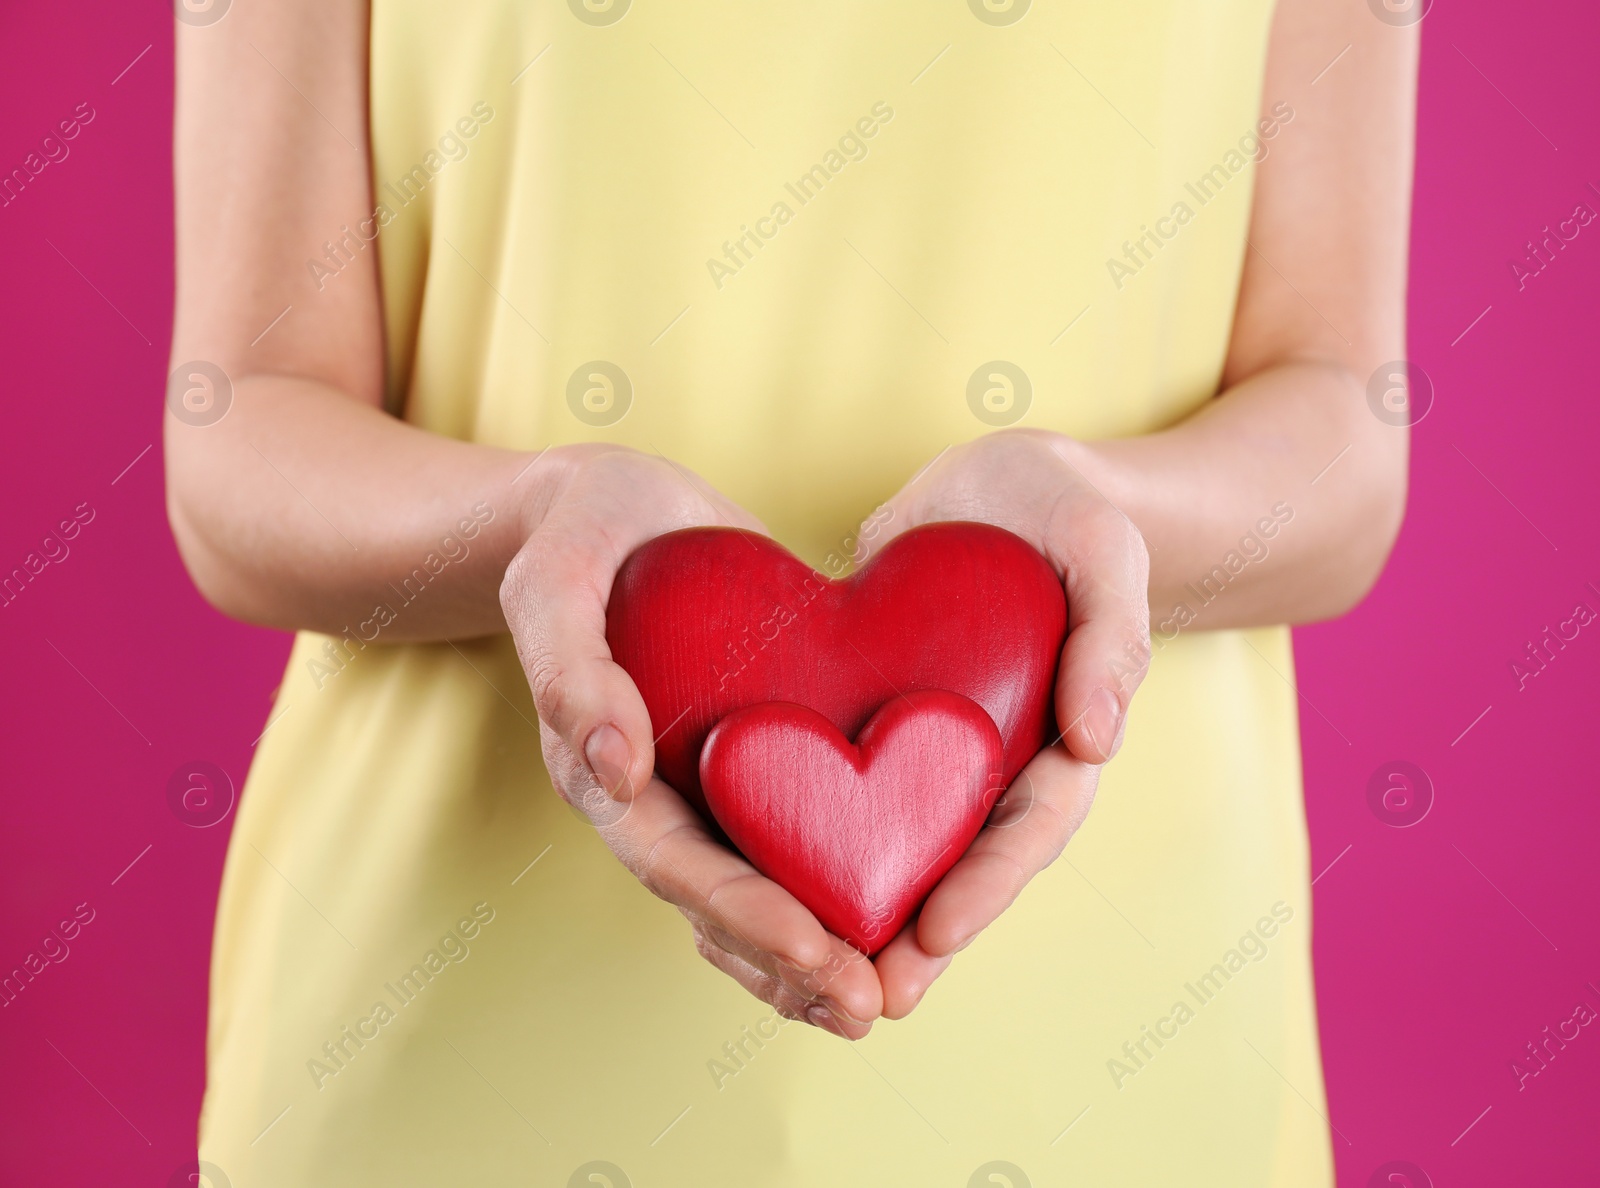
point(1018, 873)
point(654, 864)
point(706, 947)
point(514, 581)
point(1011, 809)
point(713, 905)
point(650, 879)
point(567, 776)
point(550, 684)
point(1054, 830)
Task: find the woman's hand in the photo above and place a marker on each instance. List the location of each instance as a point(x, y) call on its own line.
point(588, 508)
point(1030, 483)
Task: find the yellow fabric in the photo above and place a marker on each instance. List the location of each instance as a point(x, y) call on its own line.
point(392, 797)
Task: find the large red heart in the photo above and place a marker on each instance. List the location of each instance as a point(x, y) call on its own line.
point(858, 833)
point(709, 620)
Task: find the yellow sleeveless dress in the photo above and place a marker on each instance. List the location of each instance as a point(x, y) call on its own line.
point(784, 237)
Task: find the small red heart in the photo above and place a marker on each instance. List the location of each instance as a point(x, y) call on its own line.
point(709, 620)
point(857, 833)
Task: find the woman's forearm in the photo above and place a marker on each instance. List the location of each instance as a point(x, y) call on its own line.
point(305, 508)
point(1277, 502)
point(1290, 446)
point(302, 508)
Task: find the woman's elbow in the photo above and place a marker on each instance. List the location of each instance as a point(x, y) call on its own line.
point(208, 539)
point(207, 568)
point(1372, 528)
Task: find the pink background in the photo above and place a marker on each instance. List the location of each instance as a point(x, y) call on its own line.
point(1442, 949)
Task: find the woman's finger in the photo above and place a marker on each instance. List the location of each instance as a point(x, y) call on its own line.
point(906, 970)
point(845, 983)
point(775, 992)
point(845, 986)
point(1027, 483)
point(554, 598)
point(1032, 823)
point(769, 989)
point(1106, 571)
point(666, 845)
point(555, 593)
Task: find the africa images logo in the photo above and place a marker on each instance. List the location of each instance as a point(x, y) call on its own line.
point(999, 12)
point(999, 393)
point(599, 393)
point(600, 12)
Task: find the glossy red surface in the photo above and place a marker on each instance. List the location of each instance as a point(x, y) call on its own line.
point(711, 620)
point(859, 833)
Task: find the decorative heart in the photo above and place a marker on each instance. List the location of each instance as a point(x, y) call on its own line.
point(858, 833)
point(710, 620)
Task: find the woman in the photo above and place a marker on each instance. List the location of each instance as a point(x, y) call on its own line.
point(495, 294)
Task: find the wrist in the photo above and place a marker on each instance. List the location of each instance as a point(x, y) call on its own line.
point(1101, 466)
point(535, 478)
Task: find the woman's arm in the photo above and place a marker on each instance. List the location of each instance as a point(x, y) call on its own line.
point(305, 501)
point(1290, 439)
point(302, 504)
point(1321, 306)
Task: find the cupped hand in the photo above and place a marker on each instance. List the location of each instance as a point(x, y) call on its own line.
point(1033, 484)
point(586, 508)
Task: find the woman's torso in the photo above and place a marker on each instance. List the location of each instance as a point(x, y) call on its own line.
point(784, 239)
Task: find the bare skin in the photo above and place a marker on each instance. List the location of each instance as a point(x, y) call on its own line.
point(299, 506)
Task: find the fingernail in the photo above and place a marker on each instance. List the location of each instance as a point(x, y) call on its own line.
point(1101, 719)
point(609, 758)
point(823, 1018)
